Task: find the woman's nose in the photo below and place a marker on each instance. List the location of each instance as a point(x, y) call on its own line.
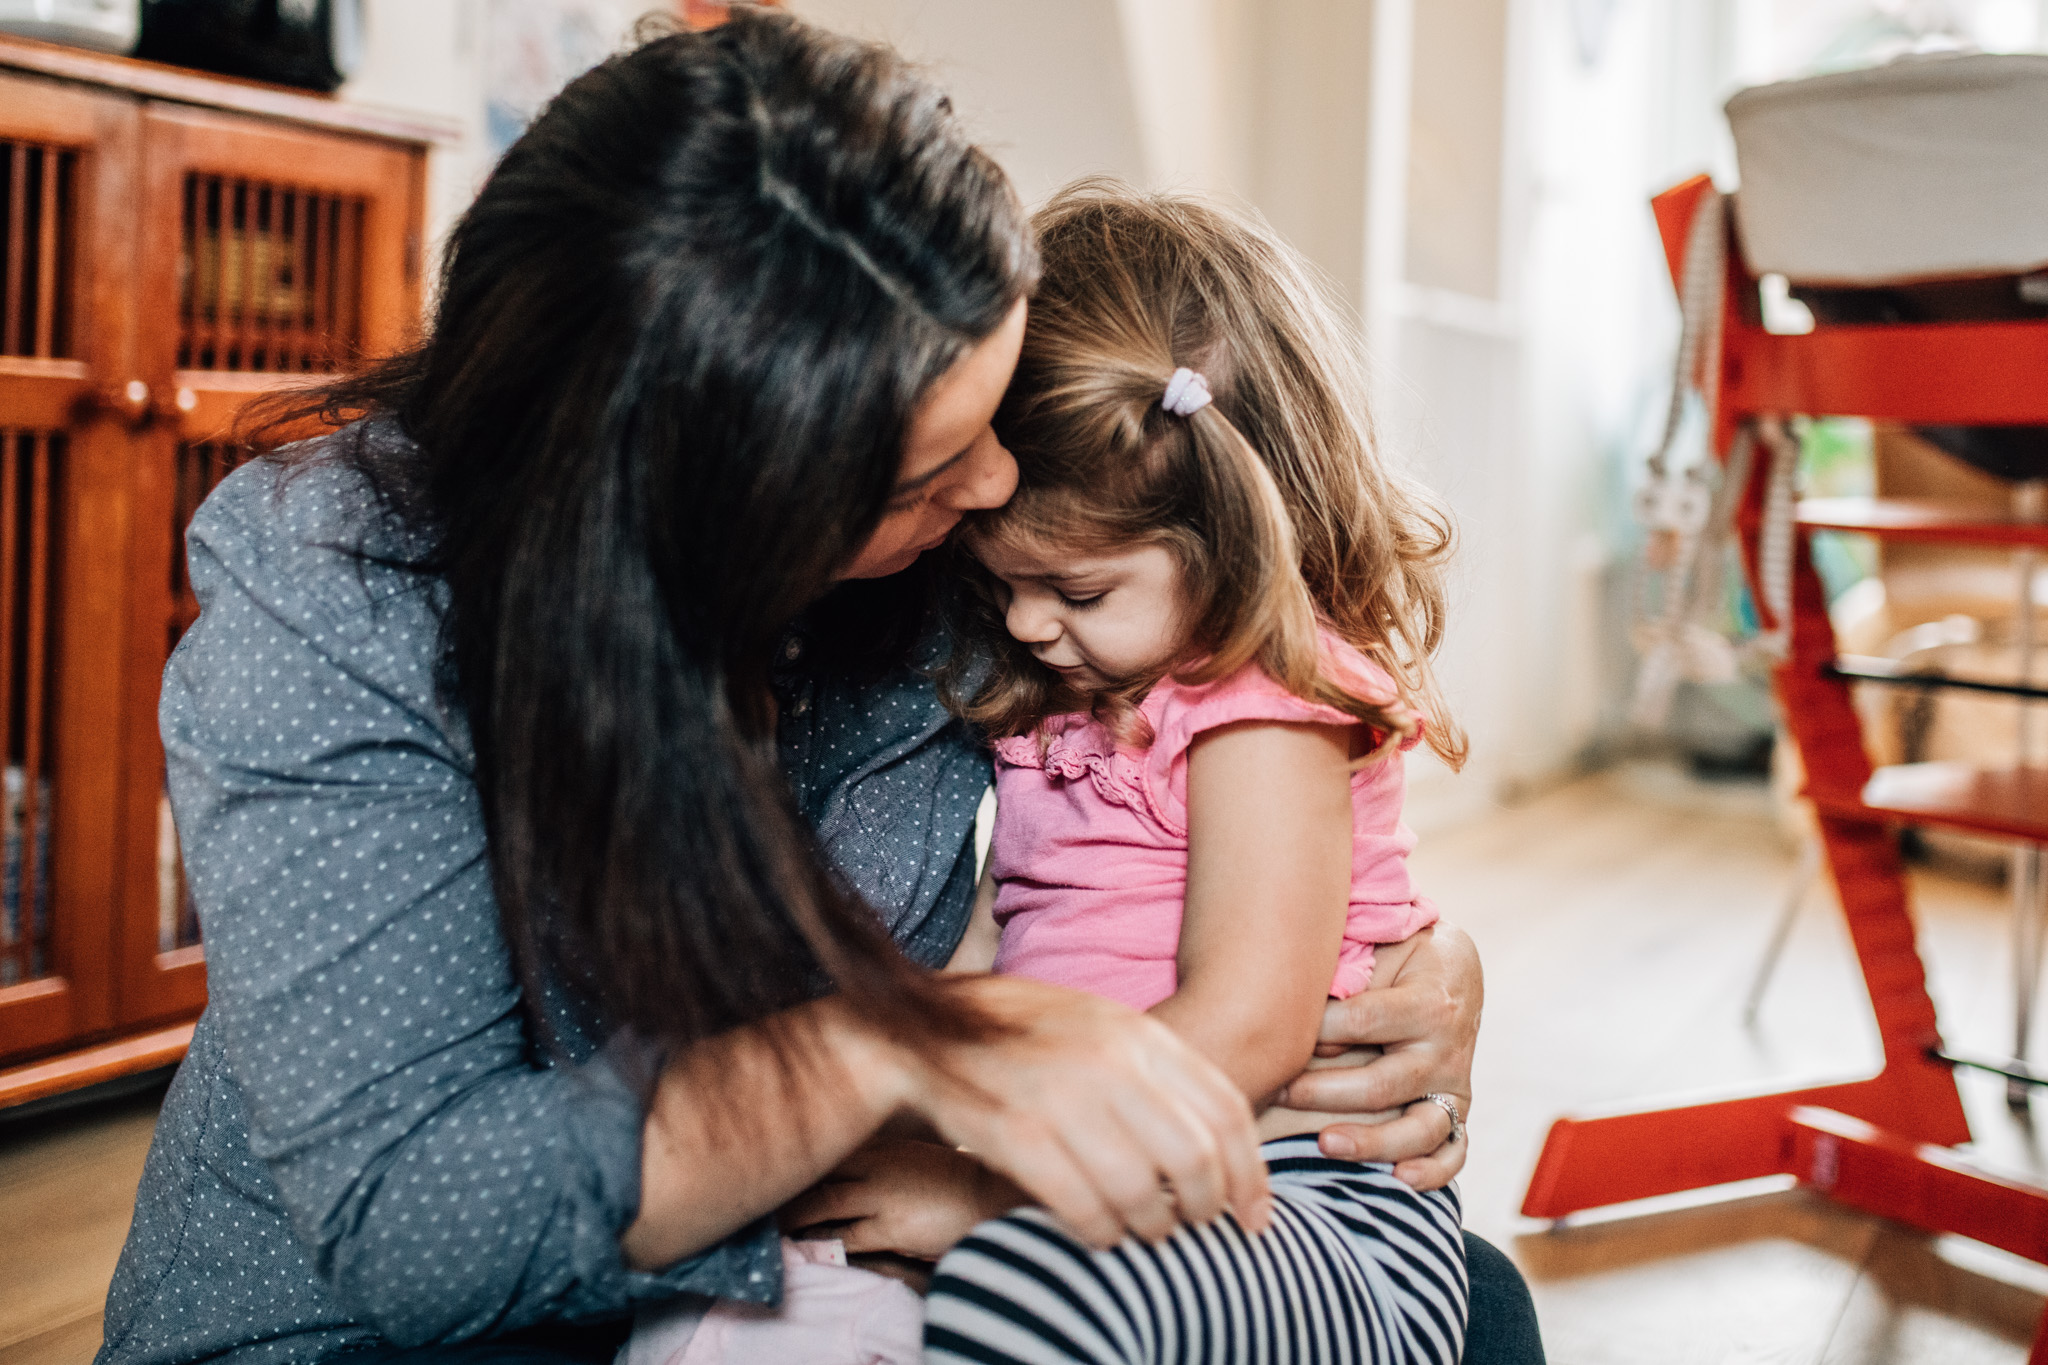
point(1029, 623)
point(988, 480)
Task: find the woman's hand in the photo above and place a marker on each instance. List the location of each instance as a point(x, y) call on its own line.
point(1099, 1113)
point(912, 1198)
point(1426, 1023)
point(1096, 1111)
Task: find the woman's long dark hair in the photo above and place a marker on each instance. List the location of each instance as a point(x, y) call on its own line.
point(679, 340)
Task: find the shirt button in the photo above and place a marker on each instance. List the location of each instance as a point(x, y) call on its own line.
point(800, 706)
point(792, 649)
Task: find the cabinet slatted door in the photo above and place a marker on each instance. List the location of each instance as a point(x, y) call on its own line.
point(66, 165)
point(172, 246)
point(269, 257)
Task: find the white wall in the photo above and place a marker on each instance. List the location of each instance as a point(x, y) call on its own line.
point(426, 57)
point(432, 56)
point(1044, 86)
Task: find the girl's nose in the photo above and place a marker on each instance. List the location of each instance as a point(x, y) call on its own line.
point(1029, 623)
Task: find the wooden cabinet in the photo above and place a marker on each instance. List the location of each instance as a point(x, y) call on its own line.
point(171, 247)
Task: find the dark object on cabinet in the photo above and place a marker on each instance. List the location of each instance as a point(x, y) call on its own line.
point(315, 44)
point(171, 247)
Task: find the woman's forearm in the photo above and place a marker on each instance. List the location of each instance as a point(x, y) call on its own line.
point(1068, 1096)
point(735, 1131)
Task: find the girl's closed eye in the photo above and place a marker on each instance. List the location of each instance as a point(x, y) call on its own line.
point(1099, 619)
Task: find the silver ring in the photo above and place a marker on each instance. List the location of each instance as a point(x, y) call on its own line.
point(1450, 1108)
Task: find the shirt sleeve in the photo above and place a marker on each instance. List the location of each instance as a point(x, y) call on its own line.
point(1249, 694)
point(447, 1180)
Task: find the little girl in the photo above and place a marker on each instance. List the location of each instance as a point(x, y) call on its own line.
point(1198, 636)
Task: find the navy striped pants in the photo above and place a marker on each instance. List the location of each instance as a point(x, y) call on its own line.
point(1356, 1268)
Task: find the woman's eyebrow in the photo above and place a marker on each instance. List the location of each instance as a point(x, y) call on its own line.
point(912, 485)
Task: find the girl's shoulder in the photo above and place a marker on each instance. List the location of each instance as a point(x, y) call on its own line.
point(1180, 712)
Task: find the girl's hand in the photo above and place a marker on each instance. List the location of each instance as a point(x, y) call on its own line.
point(1097, 1112)
point(912, 1198)
point(1427, 1023)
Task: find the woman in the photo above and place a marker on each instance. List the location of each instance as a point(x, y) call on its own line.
point(534, 987)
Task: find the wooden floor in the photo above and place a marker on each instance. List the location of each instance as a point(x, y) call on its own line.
point(67, 1187)
point(1620, 918)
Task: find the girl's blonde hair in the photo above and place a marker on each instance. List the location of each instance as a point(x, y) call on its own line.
point(1273, 497)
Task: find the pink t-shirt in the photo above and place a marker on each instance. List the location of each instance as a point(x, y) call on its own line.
point(1091, 837)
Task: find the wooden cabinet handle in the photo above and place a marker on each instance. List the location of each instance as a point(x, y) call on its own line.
point(129, 402)
point(176, 408)
point(138, 405)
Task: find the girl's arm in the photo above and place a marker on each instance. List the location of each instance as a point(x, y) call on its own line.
point(977, 950)
point(1269, 886)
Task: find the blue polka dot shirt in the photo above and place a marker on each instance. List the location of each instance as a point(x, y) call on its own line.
point(365, 1144)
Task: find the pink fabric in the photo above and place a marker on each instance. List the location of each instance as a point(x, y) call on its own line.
point(1091, 837)
point(831, 1314)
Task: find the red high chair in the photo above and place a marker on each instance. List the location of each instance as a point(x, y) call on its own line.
point(1879, 1144)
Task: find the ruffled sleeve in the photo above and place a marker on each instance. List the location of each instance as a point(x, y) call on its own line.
point(1179, 714)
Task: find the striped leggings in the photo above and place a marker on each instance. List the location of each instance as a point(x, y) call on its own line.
point(1356, 1268)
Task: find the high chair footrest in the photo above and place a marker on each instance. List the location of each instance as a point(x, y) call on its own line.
point(2012, 802)
point(1921, 519)
point(1931, 1188)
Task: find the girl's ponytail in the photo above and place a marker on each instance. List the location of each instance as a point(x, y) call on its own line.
point(1260, 607)
point(1257, 603)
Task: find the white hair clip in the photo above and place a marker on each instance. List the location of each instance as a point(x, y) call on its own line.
point(1187, 393)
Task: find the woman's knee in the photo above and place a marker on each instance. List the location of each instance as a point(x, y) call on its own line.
point(1503, 1329)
